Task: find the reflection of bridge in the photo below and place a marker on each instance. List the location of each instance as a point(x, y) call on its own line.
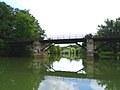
point(40, 46)
point(67, 74)
point(87, 72)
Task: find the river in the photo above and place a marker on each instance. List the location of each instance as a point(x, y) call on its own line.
point(59, 73)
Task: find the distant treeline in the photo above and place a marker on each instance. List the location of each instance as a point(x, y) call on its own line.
point(70, 49)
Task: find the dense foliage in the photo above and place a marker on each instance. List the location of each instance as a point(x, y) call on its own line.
point(55, 49)
point(16, 24)
point(70, 51)
point(111, 29)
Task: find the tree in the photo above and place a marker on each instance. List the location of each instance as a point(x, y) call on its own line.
point(16, 24)
point(55, 50)
point(6, 20)
point(26, 26)
point(111, 29)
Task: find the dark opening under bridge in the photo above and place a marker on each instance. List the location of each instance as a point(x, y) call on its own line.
point(40, 46)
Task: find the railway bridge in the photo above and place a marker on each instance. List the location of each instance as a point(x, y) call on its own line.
point(41, 46)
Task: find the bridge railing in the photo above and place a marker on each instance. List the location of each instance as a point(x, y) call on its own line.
point(71, 36)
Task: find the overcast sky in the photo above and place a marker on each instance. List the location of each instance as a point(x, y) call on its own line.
point(64, 17)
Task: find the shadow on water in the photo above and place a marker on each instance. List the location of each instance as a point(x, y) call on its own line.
point(31, 74)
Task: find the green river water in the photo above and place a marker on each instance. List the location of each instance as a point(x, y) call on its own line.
point(59, 74)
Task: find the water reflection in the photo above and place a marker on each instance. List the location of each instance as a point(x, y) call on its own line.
point(38, 65)
point(53, 83)
point(102, 75)
point(108, 73)
point(67, 65)
point(30, 74)
point(63, 83)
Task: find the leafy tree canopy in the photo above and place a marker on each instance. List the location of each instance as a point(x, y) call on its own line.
point(18, 24)
point(110, 29)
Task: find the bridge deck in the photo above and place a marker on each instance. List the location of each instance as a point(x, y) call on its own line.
point(65, 41)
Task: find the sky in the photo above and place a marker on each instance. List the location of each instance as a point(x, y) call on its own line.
point(69, 17)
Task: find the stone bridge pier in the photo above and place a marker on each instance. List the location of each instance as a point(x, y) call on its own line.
point(38, 49)
point(90, 48)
